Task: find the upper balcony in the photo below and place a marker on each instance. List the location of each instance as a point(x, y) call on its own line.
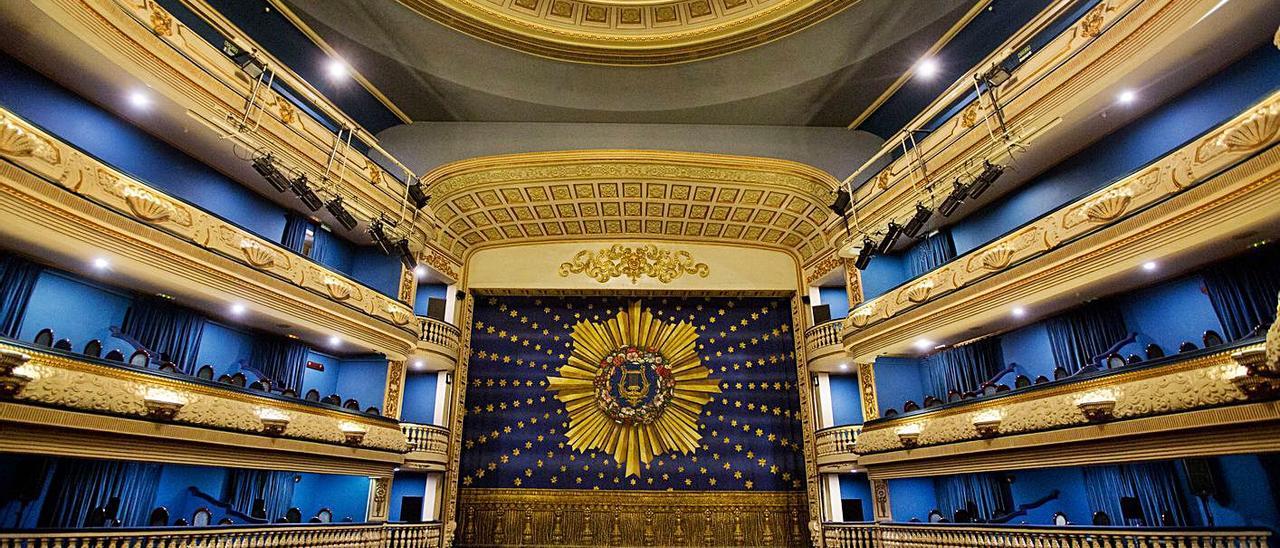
point(56, 402)
point(437, 344)
point(1196, 403)
point(835, 448)
point(823, 348)
point(310, 535)
point(428, 446)
point(1179, 208)
point(70, 207)
point(944, 535)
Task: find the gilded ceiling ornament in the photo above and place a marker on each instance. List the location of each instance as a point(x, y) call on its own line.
point(1091, 23)
point(633, 262)
point(17, 141)
point(634, 386)
point(161, 22)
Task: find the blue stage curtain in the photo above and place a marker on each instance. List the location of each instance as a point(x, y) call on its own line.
point(1078, 335)
point(283, 361)
point(295, 232)
point(80, 486)
point(22, 485)
point(17, 280)
point(963, 368)
point(981, 494)
point(1153, 484)
point(1243, 291)
point(167, 328)
point(244, 486)
point(929, 253)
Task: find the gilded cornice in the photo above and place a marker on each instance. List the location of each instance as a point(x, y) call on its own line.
point(66, 383)
point(1248, 134)
point(614, 194)
point(628, 33)
point(1196, 383)
point(58, 197)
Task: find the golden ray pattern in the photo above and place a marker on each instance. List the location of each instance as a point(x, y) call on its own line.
point(634, 386)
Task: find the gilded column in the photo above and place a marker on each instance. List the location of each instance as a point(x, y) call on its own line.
point(394, 393)
point(379, 499)
point(880, 496)
point(867, 384)
point(852, 283)
point(450, 497)
point(408, 285)
point(799, 323)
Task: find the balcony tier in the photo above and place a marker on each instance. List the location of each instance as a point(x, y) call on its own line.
point(279, 535)
point(934, 535)
point(428, 446)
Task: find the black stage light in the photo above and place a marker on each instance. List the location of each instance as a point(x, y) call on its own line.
point(841, 205)
point(305, 193)
point(252, 66)
point(406, 254)
point(891, 234)
point(958, 193)
point(380, 237)
point(868, 251)
point(995, 76)
point(418, 195)
point(990, 172)
point(340, 213)
point(265, 165)
point(917, 221)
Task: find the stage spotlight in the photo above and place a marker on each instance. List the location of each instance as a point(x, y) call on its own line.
point(917, 221)
point(891, 234)
point(406, 254)
point(249, 62)
point(868, 251)
point(340, 213)
point(842, 202)
point(418, 195)
point(305, 193)
point(959, 192)
point(990, 172)
point(380, 237)
point(995, 76)
point(265, 165)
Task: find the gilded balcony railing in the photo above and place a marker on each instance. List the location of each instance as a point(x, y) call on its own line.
point(427, 438)
point(823, 335)
point(920, 535)
point(439, 333)
point(338, 535)
point(837, 441)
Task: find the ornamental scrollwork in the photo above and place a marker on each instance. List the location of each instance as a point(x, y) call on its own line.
point(617, 261)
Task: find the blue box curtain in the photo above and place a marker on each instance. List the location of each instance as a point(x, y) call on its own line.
point(1077, 336)
point(244, 487)
point(929, 253)
point(1243, 291)
point(963, 368)
point(282, 361)
point(165, 328)
point(80, 487)
point(17, 281)
point(1154, 485)
point(981, 496)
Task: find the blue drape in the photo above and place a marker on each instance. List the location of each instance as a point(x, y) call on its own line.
point(1153, 484)
point(929, 253)
point(963, 368)
point(281, 360)
point(1078, 335)
point(80, 486)
point(1243, 291)
point(244, 486)
point(295, 232)
point(981, 494)
point(22, 485)
point(166, 328)
point(17, 280)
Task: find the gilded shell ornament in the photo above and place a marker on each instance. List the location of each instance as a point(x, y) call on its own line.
point(146, 205)
point(919, 292)
point(997, 257)
point(1110, 205)
point(338, 288)
point(1256, 131)
point(257, 254)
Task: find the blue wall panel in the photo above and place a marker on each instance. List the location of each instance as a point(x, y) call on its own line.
point(897, 380)
point(173, 491)
point(381, 272)
point(222, 347)
point(911, 498)
point(856, 486)
point(1168, 314)
point(326, 382)
point(363, 379)
point(883, 273)
point(1247, 499)
point(1029, 348)
point(1031, 485)
point(846, 399)
point(345, 495)
point(426, 291)
point(406, 484)
point(76, 309)
point(419, 397)
point(837, 298)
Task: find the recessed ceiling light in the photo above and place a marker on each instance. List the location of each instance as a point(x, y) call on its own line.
point(238, 309)
point(337, 69)
point(844, 367)
point(417, 364)
point(139, 99)
point(334, 340)
point(101, 263)
point(927, 68)
point(1019, 312)
point(924, 344)
point(1150, 266)
point(1126, 97)
point(420, 271)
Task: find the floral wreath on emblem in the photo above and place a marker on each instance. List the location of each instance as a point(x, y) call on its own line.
point(624, 412)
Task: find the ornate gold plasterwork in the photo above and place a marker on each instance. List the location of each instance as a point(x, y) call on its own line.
point(623, 32)
point(18, 141)
point(647, 195)
point(618, 260)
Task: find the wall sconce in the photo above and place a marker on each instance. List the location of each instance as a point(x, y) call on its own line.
point(909, 435)
point(1250, 376)
point(273, 422)
point(987, 424)
point(1097, 406)
point(353, 433)
point(162, 404)
point(12, 380)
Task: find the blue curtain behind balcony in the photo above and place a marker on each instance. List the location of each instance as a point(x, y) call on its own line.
point(963, 368)
point(167, 328)
point(17, 280)
point(244, 486)
point(80, 486)
point(982, 495)
point(1243, 291)
point(281, 360)
point(295, 232)
point(929, 253)
point(1153, 484)
point(1078, 335)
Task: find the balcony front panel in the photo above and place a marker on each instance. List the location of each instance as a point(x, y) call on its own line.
point(903, 535)
point(437, 344)
point(337, 535)
point(823, 348)
point(64, 202)
point(428, 446)
point(1211, 188)
point(835, 448)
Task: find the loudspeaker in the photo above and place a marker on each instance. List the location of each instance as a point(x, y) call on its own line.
point(821, 314)
point(461, 295)
point(805, 299)
point(1131, 511)
point(1200, 477)
point(411, 509)
point(435, 308)
point(852, 509)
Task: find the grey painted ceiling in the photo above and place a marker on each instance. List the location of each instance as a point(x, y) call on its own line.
point(824, 75)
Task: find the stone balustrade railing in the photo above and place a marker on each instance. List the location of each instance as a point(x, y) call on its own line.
point(343, 535)
point(922, 535)
point(426, 437)
point(439, 333)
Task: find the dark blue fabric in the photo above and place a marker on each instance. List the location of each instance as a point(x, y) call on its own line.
point(1079, 335)
point(295, 232)
point(80, 486)
point(513, 432)
point(1243, 291)
point(929, 253)
point(165, 328)
point(244, 486)
point(1154, 484)
point(982, 496)
point(962, 368)
point(17, 280)
point(283, 361)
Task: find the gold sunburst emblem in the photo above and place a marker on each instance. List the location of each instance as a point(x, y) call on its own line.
point(634, 386)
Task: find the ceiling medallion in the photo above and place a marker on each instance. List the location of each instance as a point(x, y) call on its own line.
point(633, 367)
point(633, 262)
point(628, 32)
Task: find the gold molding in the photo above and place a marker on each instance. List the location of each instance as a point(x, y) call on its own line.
point(808, 423)
point(613, 32)
point(618, 260)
